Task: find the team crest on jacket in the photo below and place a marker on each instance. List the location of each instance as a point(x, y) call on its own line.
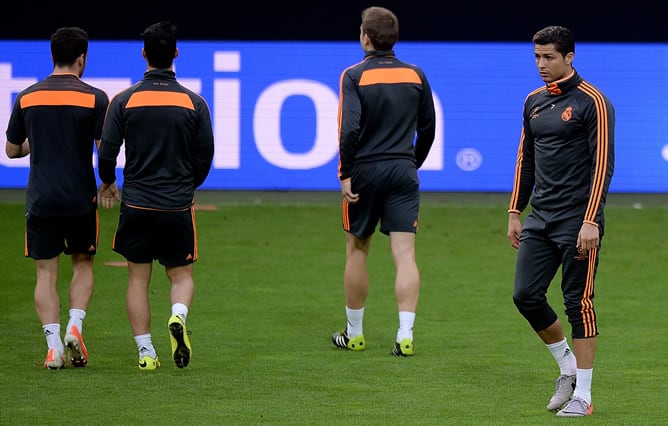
point(567, 114)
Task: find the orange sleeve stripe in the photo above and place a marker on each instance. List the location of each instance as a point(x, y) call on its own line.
point(389, 76)
point(58, 98)
point(602, 147)
point(520, 156)
point(339, 117)
point(518, 172)
point(150, 98)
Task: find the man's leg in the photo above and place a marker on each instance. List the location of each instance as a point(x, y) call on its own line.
point(407, 281)
point(136, 300)
point(47, 303)
point(82, 283)
point(406, 288)
point(183, 285)
point(356, 289)
point(356, 274)
point(81, 290)
point(181, 296)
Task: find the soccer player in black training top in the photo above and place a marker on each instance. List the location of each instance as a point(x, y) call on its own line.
point(564, 167)
point(57, 121)
point(168, 140)
point(386, 129)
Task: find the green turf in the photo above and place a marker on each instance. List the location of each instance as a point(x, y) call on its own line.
point(269, 295)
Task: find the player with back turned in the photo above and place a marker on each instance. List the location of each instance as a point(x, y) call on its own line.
point(57, 121)
point(386, 129)
point(166, 129)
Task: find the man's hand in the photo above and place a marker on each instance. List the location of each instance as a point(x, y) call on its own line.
point(347, 192)
point(109, 195)
point(17, 151)
point(588, 238)
point(514, 229)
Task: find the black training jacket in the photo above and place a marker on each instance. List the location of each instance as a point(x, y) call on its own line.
point(61, 116)
point(566, 151)
point(386, 111)
point(166, 129)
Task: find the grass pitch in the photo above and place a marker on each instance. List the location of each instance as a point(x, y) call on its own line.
point(269, 294)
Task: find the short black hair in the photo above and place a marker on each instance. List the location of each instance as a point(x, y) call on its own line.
point(67, 44)
point(561, 37)
point(160, 44)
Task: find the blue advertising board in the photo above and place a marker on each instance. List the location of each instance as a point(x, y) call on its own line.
point(274, 107)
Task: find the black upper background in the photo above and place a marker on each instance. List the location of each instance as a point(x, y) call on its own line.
point(317, 20)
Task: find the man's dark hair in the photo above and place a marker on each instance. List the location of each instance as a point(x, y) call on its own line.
point(559, 36)
point(67, 44)
point(160, 44)
point(381, 26)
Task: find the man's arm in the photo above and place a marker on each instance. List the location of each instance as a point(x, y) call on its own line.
point(205, 147)
point(349, 125)
point(525, 167)
point(426, 124)
point(600, 136)
point(17, 150)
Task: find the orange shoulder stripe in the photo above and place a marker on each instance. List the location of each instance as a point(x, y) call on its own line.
point(150, 98)
point(389, 76)
point(58, 98)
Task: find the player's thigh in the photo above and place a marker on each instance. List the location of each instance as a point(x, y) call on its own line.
point(177, 242)
point(81, 233)
point(401, 205)
point(135, 234)
point(538, 260)
point(45, 237)
point(363, 216)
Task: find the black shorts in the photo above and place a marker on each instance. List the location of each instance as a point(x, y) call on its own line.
point(48, 237)
point(168, 236)
point(389, 193)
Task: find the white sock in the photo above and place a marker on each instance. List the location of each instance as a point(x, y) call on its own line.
point(355, 322)
point(583, 384)
point(76, 318)
point(406, 322)
point(564, 356)
point(52, 334)
point(181, 310)
point(145, 346)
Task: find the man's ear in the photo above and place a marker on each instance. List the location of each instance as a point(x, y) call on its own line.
point(569, 58)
